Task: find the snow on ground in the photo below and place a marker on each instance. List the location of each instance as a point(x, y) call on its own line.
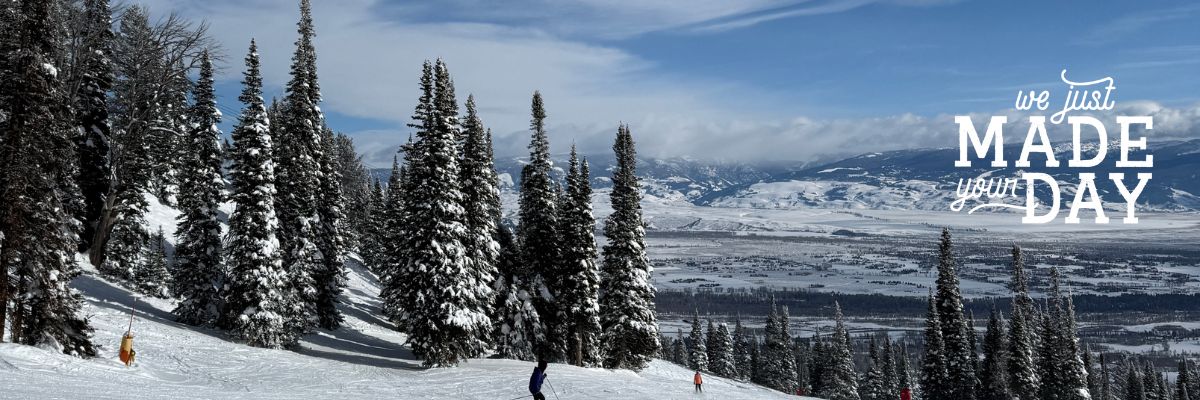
point(363, 360)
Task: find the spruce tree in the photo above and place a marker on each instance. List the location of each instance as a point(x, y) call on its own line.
point(934, 382)
point(200, 277)
point(887, 356)
point(993, 377)
point(1020, 367)
point(449, 320)
point(873, 386)
point(697, 347)
point(518, 326)
point(297, 159)
point(154, 276)
point(741, 350)
point(678, 349)
point(627, 316)
point(91, 113)
point(391, 239)
point(578, 290)
point(1183, 381)
point(843, 381)
point(481, 199)
point(330, 276)
point(1062, 373)
point(38, 157)
point(538, 232)
point(1135, 388)
point(256, 307)
point(960, 367)
point(722, 362)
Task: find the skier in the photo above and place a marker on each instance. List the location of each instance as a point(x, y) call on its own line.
point(535, 381)
point(699, 382)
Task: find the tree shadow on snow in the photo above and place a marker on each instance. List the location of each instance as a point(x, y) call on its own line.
point(351, 346)
point(110, 296)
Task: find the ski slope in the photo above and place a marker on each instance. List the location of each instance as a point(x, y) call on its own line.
point(363, 360)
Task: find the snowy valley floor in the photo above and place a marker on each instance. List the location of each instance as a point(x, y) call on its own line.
point(363, 360)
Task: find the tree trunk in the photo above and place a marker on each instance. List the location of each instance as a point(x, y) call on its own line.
point(18, 312)
point(3, 286)
point(103, 228)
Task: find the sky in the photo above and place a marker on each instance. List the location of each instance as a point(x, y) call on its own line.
point(785, 80)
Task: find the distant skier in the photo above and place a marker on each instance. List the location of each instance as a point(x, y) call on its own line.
point(535, 381)
point(699, 381)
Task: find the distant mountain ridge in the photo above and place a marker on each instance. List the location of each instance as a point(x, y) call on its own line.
point(921, 179)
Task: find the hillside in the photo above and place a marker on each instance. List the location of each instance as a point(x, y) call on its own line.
point(363, 360)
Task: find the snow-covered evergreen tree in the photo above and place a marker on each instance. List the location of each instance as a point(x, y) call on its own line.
point(449, 320)
point(330, 276)
point(200, 275)
point(518, 326)
point(934, 383)
point(874, 385)
point(843, 380)
point(741, 350)
point(38, 159)
point(297, 159)
point(887, 359)
point(627, 316)
point(697, 346)
point(960, 367)
point(1020, 368)
point(1183, 381)
point(720, 360)
point(256, 307)
point(678, 349)
point(1135, 387)
point(1062, 373)
point(481, 200)
point(154, 276)
point(578, 290)
point(993, 374)
point(91, 113)
point(538, 233)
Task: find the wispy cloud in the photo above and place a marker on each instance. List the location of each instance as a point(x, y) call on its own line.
point(1123, 26)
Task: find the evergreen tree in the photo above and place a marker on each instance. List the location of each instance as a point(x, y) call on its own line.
point(391, 270)
point(481, 199)
point(449, 320)
point(517, 324)
point(578, 291)
point(818, 368)
point(200, 278)
point(960, 367)
point(1061, 370)
point(1182, 381)
point(297, 159)
point(993, 378)
point(91, 113)
point(887, 357)
point(1135, 389)
point(330, 276)
point(372, 241)
point(904, 378)
point(678, 349)
point(873, 386)
point(37, 155)
point(741, 350)
point(697, 349)
point(630, 326)
point(1093, 379)
point(154, 276)
point(934, 383)
point(256, 307)
point(803, 354)
point(1021, 371)
point(723, 364)
point(843, 381)
point(1106, 391)
point(538, 232)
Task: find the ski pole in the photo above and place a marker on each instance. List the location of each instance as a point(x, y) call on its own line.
point(515, 398)
point(552, 390)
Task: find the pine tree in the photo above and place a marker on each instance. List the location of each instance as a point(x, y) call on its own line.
point(538, 231)
point(330, 277)
point(904, 378)
point(91, 105)
point(371, 242)
point(1135, 388)
point(481, 199)
point(297, 180)
point(392, 278)
point(803, 354)
point(154, 276)
point(843, 381)
point(37, 155)
point(993, 378)
point(1020, 368)
point(627, 316)
point(741, 350)
point(934, 383)
point(1182, 381)
point(678, 350)
point(960, 367)
point(1061, 370)
point(256, 308)
point(818, 368)
point(887, 356)
point(1093, 379)
point(578, 295)
point(873, 386)
point(449, 319)
point(721, 361)
point(697, 347)
point(1106, 391)
point(200, 276)
point(517, 324)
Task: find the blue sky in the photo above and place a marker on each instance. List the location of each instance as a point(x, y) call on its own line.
point(778, 79)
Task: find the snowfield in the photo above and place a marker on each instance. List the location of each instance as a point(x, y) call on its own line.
point(363, 360)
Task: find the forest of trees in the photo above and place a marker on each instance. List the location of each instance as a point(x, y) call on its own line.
point(98, 119)
point(1033, 354)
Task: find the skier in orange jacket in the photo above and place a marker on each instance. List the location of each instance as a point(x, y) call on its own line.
point(698, 381)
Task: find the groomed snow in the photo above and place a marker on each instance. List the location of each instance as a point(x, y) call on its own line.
point(363, 360)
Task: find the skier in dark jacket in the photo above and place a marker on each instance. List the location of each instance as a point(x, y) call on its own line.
point(535, 381)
